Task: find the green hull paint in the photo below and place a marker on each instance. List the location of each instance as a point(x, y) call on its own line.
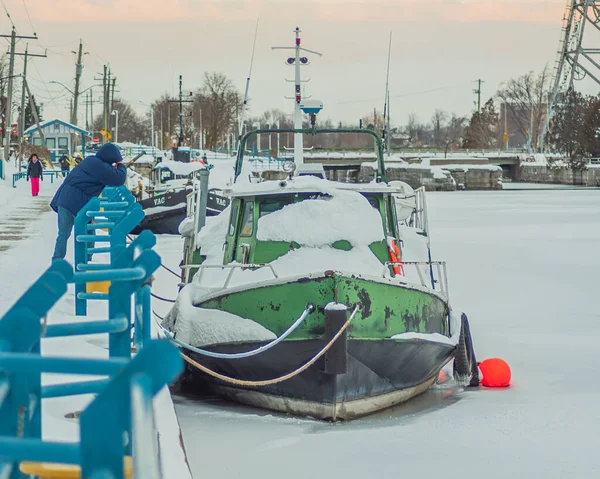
point(386, 308)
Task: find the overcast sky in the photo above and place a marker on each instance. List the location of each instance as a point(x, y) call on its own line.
point(439, 49)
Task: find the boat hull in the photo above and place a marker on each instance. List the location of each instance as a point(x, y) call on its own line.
point(379, 374)
point(379, 370)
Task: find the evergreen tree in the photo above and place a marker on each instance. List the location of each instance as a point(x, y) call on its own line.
point(482, 131)
point(567, 133)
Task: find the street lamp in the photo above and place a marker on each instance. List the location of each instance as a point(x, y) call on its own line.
point(116, 113)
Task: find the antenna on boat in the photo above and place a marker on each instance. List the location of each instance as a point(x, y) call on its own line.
point(241, 122)
point(386, 113)
point(297, 61)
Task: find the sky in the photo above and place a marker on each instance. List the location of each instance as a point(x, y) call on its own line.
point(439, 49)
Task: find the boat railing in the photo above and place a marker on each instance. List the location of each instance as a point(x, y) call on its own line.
point(419, 217)
point(431, 274)
point(231, 267)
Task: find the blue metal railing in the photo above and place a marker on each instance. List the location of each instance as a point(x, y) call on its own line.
point(51, 173)
point(123, 406)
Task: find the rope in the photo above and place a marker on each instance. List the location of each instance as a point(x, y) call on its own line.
point(246, 354)
point(280, 379)
point(129, 237)
point(162, 299)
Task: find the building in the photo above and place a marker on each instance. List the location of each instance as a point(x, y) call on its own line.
point(61, 137)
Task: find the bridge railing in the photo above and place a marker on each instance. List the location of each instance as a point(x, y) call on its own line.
point(122, 408)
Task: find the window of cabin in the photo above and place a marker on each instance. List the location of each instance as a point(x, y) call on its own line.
point(270, 205)
point(373, 201)
point(63, 143)
point(248, 218)
point(233, 218)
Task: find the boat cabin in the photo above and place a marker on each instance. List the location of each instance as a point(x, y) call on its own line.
point(244, 245)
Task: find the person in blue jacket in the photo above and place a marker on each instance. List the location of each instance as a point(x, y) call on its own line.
point(86, 181)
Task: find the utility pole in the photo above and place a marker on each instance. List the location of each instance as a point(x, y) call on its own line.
point(35, 114)
point(26, 55)
point(91, 113)
point(78, 71)
point(11, 67)
point(181, 101)
point(104, 97)
point(87, 107)
point(478, 93)
point(112, 94)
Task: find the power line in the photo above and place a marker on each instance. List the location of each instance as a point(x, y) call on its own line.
point(28, 16)
point(422, 92)
point(7, 14)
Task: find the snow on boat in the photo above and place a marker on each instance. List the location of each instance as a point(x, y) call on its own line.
point(167, 207)
point(340, 311)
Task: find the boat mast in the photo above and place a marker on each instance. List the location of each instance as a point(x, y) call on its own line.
point(386, 104)
point(297, 61)
point(181, 101)
point(241, 120)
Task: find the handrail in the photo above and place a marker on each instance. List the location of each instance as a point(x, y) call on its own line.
point(440, 266)
point(232, 268)
point(123, 405)
point(314, 131)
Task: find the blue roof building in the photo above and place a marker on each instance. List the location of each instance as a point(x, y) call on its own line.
point(58, 135)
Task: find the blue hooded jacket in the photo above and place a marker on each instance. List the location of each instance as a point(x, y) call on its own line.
point(89, 178)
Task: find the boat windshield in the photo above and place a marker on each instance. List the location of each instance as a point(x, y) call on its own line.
point(271, 204)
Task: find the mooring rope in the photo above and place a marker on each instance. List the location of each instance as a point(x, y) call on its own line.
point(268, 382)
point(171, 337)
point(166, 300)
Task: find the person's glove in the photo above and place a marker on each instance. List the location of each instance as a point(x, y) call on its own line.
point(28, 178)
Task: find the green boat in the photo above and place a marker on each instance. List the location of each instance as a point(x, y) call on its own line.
point(305, 296)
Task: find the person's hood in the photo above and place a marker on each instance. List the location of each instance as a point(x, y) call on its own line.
point(109, 153)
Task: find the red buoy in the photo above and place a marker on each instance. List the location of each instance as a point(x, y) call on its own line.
point(496, 373)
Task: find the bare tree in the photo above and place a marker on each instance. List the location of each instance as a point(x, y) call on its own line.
point(220, 104)
point(526, 98)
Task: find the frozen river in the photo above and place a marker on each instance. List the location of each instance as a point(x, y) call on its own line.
point(524, 265)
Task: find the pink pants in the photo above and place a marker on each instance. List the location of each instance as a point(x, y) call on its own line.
point(35, 186)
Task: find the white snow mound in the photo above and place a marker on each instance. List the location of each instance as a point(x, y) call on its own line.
point(345, 215)
point(202, 327)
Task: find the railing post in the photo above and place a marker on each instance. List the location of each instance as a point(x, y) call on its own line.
point(81, 253)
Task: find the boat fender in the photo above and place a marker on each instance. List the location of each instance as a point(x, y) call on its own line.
point(465, 368)
point(395, 257)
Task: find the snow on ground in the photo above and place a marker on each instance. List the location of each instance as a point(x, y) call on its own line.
point(524, 267)
point(27, 235)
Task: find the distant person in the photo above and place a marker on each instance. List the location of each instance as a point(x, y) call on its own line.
point(35, 171)
point(64, 164)
point(105, 168)
point(204, 159)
